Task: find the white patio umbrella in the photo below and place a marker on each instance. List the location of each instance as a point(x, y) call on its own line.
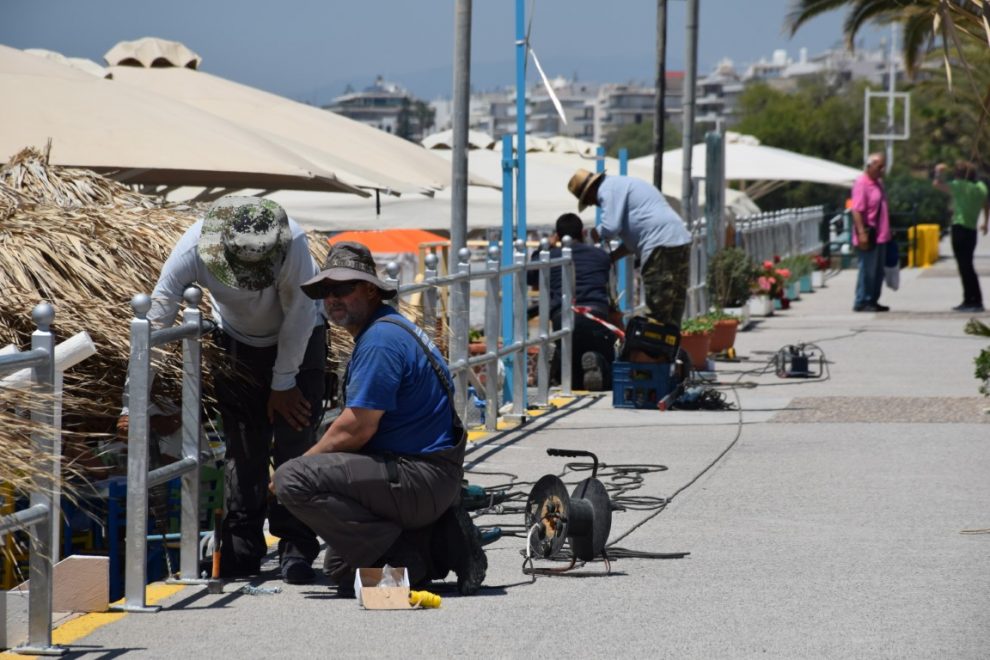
point(761, 169)
point(136, 136)
point(375, 158)
point(445, 140)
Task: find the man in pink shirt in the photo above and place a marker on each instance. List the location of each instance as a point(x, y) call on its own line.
point(871, 232)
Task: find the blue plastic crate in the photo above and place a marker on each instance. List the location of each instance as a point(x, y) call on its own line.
point(636, 385)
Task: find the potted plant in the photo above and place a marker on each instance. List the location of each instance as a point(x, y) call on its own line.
point(822, 264)
point(731, 274)
point(724, 331)
point(800, 267)
point(696, 334)
point(768, 288)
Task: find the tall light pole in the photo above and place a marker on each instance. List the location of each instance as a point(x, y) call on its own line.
point(661, 98)
point(462, 100)
point(690, 84)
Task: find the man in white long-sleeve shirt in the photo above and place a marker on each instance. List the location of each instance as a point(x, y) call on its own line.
point(252, 259)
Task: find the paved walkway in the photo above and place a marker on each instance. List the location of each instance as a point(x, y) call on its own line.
point(832, 527)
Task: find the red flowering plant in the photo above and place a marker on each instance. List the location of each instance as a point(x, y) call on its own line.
point(822, 263)
point(770, 279)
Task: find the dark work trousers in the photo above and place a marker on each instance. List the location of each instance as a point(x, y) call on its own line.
point(665, 278)
point(242, 395)
point(963, 247)
point(360, 503)
point(588, 336)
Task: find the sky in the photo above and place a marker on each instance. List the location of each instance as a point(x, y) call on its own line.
point(311, 50)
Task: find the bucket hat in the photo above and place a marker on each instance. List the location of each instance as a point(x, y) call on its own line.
point(581, 185)
point(243, 240)
point(347, 261)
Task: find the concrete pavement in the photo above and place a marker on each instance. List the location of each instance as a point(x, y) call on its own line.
point(831, 528)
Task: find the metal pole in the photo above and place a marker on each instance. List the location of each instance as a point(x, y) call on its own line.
point(42, 417)
point(460, 325)
point(192, 370)
point(462, 101)
point(520, 375)
point(661, 98)
point(599, 167)
point(508, 330)
point(689, 93)
point(543, 359)
point(623, 273)
point(491, 339)
point(521, 51)
point(891, 77)
point(714, 190)
point(566, 317)
point(139, 385)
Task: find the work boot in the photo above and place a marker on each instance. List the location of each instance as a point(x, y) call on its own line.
point(593, 366)
point(296, 570)
point(463, 552)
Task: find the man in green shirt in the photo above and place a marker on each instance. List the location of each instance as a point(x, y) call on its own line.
point(969, 197)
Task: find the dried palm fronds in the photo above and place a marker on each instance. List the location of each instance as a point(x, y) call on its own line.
point(29, 173)
point(88, 248)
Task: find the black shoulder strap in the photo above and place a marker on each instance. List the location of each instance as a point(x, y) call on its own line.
point(416, 333)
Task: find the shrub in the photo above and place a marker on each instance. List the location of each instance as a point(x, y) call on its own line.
point(731, 275)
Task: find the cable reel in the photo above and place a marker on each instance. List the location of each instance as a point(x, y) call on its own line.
point(801, 361)
point(583, 518)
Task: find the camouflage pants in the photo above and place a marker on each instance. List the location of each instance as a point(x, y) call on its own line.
point(665, 278)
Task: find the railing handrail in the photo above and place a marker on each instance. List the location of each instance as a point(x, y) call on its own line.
point(139, 477)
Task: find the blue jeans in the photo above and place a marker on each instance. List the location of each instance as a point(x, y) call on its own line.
point(869, 281)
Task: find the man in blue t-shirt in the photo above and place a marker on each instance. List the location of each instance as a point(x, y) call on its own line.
point(383, 483)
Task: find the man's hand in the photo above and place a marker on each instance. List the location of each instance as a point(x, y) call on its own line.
point(291, 405)
point(595, 236)
point(863, 236)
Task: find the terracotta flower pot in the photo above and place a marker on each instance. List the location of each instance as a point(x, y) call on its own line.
point(724, 335)
point(696, 345)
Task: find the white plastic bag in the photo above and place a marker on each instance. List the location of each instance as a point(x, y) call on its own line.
point(892, 267)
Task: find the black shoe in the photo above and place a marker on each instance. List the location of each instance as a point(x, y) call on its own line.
point(593, 366)
point(464, 554)
point(972, 309)
point(882, 308)
point(296, 570)
point(869, 307)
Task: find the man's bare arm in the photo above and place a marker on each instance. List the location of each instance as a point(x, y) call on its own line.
point(349, 432)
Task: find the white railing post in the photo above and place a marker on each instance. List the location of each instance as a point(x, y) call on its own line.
point(493, 306)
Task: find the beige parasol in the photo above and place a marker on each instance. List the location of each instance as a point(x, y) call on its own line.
point(374, 157)
point(138, 136)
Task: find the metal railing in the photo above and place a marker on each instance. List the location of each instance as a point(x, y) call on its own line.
point(462, 364)
point(781, 233)
point(139, 478)
point(39, 515)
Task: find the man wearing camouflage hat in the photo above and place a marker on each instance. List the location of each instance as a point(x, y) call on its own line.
point(252, 258)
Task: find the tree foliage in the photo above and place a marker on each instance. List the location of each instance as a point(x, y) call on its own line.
point(638, 139)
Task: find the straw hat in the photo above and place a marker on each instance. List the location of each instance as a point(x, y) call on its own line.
point(582, 184)
point(347, 261)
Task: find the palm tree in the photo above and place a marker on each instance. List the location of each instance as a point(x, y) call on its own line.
point(920, 20)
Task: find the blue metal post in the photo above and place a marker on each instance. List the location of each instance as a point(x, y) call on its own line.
point(625, 291)
point(599, 167)
point(508, 335)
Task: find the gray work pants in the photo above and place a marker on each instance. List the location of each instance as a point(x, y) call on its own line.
point(360, 503)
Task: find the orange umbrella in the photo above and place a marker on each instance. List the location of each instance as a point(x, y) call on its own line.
point(389, 240)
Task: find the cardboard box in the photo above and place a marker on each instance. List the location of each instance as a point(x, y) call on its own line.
point(372, 597)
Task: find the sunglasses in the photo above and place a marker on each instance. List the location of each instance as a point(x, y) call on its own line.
point(338, 289)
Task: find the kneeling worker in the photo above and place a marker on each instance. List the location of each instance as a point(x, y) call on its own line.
point(383, 483)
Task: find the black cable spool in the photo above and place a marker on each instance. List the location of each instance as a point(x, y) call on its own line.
point(583, 518)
